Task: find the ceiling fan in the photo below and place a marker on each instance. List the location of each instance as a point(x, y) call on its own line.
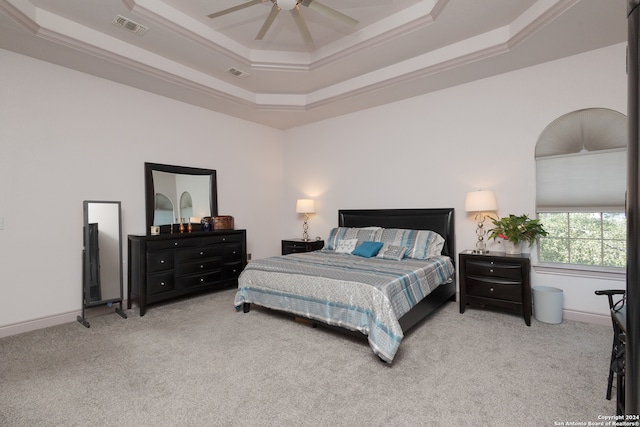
point(292, 6)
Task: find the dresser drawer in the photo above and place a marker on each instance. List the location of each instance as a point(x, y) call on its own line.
point(185, 255)
point(494, 288)
point(199, 266)
point(494, 269)
point(296, 247)
point(158, 283)
point(159, 261)
point(226, 238)
point(293, 246)
point(200, 279)
point(232, 269)
point(174, 243)
point(233, 252)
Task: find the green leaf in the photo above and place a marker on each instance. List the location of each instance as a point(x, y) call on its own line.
point(517, 229)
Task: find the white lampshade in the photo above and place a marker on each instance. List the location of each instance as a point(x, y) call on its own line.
point(305, 206)
point(480, 201)
point(287, 4)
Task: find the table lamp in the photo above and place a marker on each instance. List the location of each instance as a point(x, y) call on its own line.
point(480, 201)
point(305, 206)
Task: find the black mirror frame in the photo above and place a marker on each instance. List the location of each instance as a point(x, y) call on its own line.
point(86, 261)
point(149, 193)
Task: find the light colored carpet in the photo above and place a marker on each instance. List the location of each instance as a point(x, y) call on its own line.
point(198, 362)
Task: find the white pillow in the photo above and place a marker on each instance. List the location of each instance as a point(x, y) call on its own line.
point(346, 246)
point(392, 252)
point(344, 233)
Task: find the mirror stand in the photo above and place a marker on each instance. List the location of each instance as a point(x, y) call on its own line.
point(84, 322)
point(101, 258)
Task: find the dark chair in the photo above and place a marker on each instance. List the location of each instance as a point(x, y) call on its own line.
point(610, 293)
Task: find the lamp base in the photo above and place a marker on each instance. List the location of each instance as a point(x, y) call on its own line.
point(305, 228)
point(480, 251)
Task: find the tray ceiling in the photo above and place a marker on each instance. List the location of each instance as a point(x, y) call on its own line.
point(398, 49)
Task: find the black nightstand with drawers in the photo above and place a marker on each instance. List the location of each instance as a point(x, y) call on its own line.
point(497, 280)
point(291, 246)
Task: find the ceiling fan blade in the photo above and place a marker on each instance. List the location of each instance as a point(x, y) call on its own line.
point(302, 25)
point(267, 22)
point(329, 12)
point(236, 8)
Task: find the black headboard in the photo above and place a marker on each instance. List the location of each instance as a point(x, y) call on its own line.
point(439, 220)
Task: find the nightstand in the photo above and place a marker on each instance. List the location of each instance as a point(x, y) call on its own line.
point(496, 280)
point(291, 246)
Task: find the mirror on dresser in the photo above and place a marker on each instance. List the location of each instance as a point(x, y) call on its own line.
point(172, 263)
point(101, 257)
point(175, 192)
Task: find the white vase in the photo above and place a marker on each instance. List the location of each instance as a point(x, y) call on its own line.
point(512, 248)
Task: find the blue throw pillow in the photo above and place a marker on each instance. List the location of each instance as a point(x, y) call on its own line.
point(367, 249)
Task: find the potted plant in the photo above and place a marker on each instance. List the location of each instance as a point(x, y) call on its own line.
point(516, 230)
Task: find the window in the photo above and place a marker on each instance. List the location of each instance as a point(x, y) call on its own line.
point(186, 206)
point(580, 189)
point(584, 238)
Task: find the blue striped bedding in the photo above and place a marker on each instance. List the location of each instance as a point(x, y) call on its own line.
point(364, 294)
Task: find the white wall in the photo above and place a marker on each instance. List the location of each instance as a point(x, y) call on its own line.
point(66, 137)
point(430, 150)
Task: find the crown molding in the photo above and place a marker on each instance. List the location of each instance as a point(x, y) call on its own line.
point(397, 25)
point(176, 22)
point(536, 17)
point(59, 30)
point(22, 12)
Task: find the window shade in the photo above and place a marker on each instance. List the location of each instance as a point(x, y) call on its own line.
point(591, 179)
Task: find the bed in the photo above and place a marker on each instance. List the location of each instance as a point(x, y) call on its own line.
point(382, 295)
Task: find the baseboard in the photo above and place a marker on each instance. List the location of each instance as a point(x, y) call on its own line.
point(53, 320)
point(71, 316)
point(580, 316)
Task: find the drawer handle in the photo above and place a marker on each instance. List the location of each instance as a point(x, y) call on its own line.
point(234, 252)
point(201, 266)
point(201, 280)
point(201, 253)
point(161, 261)
point(162, 283)
point(491, 290)
point(175, 243)
point(491, 270)
point(491, 262)
point(224, 239)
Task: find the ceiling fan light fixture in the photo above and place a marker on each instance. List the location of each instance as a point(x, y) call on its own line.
point(287, 4)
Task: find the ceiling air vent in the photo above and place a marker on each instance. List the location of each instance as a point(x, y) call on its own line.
point(237, 73)
point(130, 25)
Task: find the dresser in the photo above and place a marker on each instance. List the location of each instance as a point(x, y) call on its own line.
point(172, 265)
point(291, 246)
point(496, 280)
